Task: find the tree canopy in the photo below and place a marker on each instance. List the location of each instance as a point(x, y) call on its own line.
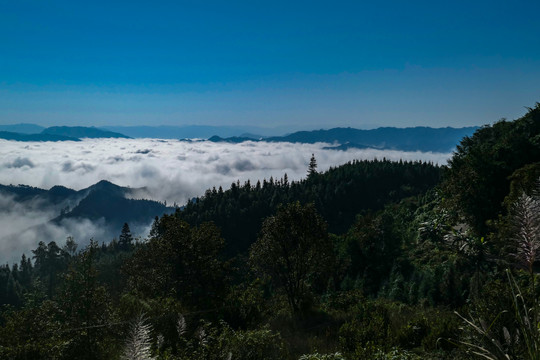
point(479, 173)
point(294, 250)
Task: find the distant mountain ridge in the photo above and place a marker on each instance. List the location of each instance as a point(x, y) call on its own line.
point(8, 135)
point(192, 131)
point(232, 139)
point(22, 128)
point(419, 138)
point(23, 132)
point(82, 132)
point(389, 138)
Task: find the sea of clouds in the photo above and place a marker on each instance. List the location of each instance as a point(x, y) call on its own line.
point(170, 170)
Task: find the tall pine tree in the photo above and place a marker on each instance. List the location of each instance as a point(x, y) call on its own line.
point(126, 239)
point(312, 170)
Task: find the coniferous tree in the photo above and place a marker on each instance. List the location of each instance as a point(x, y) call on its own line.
point(154, 230)
point(25, 272)
point(312, 170)
point(85, 305)
point(71, 246)
point(40, 257)
point(50, 261)
point(126, 239)
point(54, 264)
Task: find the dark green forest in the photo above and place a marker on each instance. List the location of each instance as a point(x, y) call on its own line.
point(368, 260)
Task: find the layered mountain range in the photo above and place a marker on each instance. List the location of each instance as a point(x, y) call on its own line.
point(388, 138)
point(405, 139)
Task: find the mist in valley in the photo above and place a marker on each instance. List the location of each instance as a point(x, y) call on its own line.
point(168, 171)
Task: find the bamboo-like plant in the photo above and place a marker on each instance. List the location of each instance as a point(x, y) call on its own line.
point(490, 348)
point(526, 223)
point(526, 219)
point(138, 343)
point(525, 216)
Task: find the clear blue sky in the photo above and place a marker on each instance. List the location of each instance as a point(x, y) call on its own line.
point(307, 64)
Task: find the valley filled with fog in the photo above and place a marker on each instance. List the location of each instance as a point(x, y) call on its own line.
point(168, 171)
point(171, 170)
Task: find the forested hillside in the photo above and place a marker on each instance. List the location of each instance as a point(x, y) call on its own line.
point(368, 260)
point(339, 195)
point(104, 202)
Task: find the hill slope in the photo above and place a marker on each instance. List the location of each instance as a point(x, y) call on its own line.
point(339, 195)
point(103, 201)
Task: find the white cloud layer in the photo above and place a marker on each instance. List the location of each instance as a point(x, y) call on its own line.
point(172, 171)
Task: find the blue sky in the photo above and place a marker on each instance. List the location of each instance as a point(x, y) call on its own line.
point(302, 64)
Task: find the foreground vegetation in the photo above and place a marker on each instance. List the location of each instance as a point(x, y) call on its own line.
point(369, 260)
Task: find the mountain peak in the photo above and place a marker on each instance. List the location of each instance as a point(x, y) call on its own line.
point(104, 185)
